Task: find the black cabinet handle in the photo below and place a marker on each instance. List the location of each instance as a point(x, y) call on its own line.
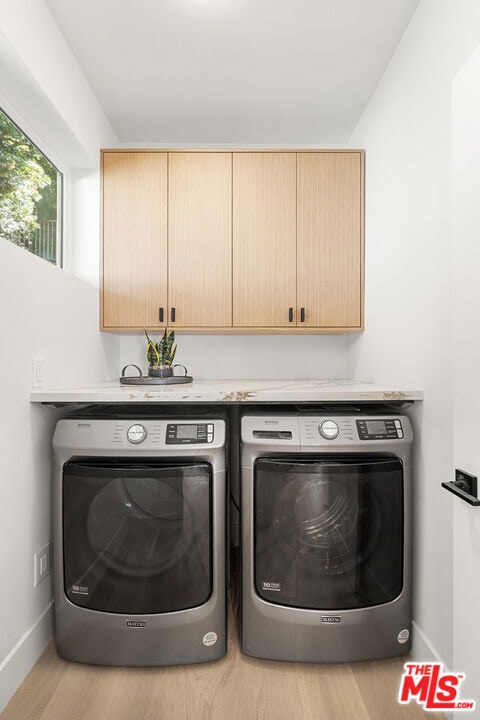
point(464, 486)
point(172, 314)
point(160, 314)
point(302, 314)
point(290, 314)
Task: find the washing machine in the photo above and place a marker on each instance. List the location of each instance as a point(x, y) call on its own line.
point(326, 536)
point(139, 537)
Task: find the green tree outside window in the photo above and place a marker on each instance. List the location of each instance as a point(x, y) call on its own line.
point(30, 192)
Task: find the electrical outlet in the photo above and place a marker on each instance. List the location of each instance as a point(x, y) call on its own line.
point(41, 564)
point(38, 375)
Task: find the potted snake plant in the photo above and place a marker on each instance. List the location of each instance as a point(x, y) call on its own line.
point(160, 355)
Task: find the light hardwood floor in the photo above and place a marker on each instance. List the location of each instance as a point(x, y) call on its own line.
point(234, 688)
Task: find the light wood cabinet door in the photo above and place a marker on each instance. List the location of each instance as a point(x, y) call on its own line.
point(134, 239)
point(200, 239)
point(329, 239)
point(264, 255)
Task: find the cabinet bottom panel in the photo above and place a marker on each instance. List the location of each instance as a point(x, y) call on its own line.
point(242, 330)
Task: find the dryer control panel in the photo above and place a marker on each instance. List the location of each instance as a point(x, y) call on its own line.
point(139, 435)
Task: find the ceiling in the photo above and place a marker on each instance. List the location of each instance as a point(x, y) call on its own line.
point(233, 72)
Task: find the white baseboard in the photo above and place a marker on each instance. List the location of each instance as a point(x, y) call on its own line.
point(422, 648)
point(424, 651)
point(20, 660)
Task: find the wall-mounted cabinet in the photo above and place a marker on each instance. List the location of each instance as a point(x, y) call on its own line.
point(200, 239)
point(330, 240)
point(134, 239)
point(264, 239)
point(233, 241)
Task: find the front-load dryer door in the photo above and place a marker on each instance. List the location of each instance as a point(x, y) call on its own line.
point(328, 533)
point(137, 536)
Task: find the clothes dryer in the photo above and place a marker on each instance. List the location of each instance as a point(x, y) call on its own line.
point(139, 538)
point(326, 536)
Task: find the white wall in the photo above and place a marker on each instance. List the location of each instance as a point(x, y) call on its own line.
point(249, 356)
point(466, 343)
point(84, 223)
point(406, 131)
point(44, 312)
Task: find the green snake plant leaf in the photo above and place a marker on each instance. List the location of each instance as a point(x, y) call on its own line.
point(153, 357)
point(161, 352)
point(166, 347)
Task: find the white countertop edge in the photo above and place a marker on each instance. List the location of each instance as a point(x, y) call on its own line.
point(231, 391)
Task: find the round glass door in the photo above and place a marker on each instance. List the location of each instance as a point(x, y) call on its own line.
point(137, 536)
point(328, 534)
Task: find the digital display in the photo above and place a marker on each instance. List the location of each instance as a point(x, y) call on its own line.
point(187, 432)
point(376, 427)
point(184, 434)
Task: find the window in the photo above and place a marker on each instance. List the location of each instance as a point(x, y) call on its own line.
point(30, 195)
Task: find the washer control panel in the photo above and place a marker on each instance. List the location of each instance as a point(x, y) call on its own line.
point(136, 434)
point(376, 429)
point(321, 431)
point(345, 430)
point(188, 433)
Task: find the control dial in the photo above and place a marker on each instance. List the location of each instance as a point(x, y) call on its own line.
point(328, 429)
point(136, 434)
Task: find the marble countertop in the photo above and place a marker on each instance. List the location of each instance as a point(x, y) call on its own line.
point(230, 391)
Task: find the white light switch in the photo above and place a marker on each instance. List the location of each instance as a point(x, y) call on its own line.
point(38, 379)
point(41, 564)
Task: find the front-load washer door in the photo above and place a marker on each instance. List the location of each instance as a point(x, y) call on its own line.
point(328, 533)
point(137, 537)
